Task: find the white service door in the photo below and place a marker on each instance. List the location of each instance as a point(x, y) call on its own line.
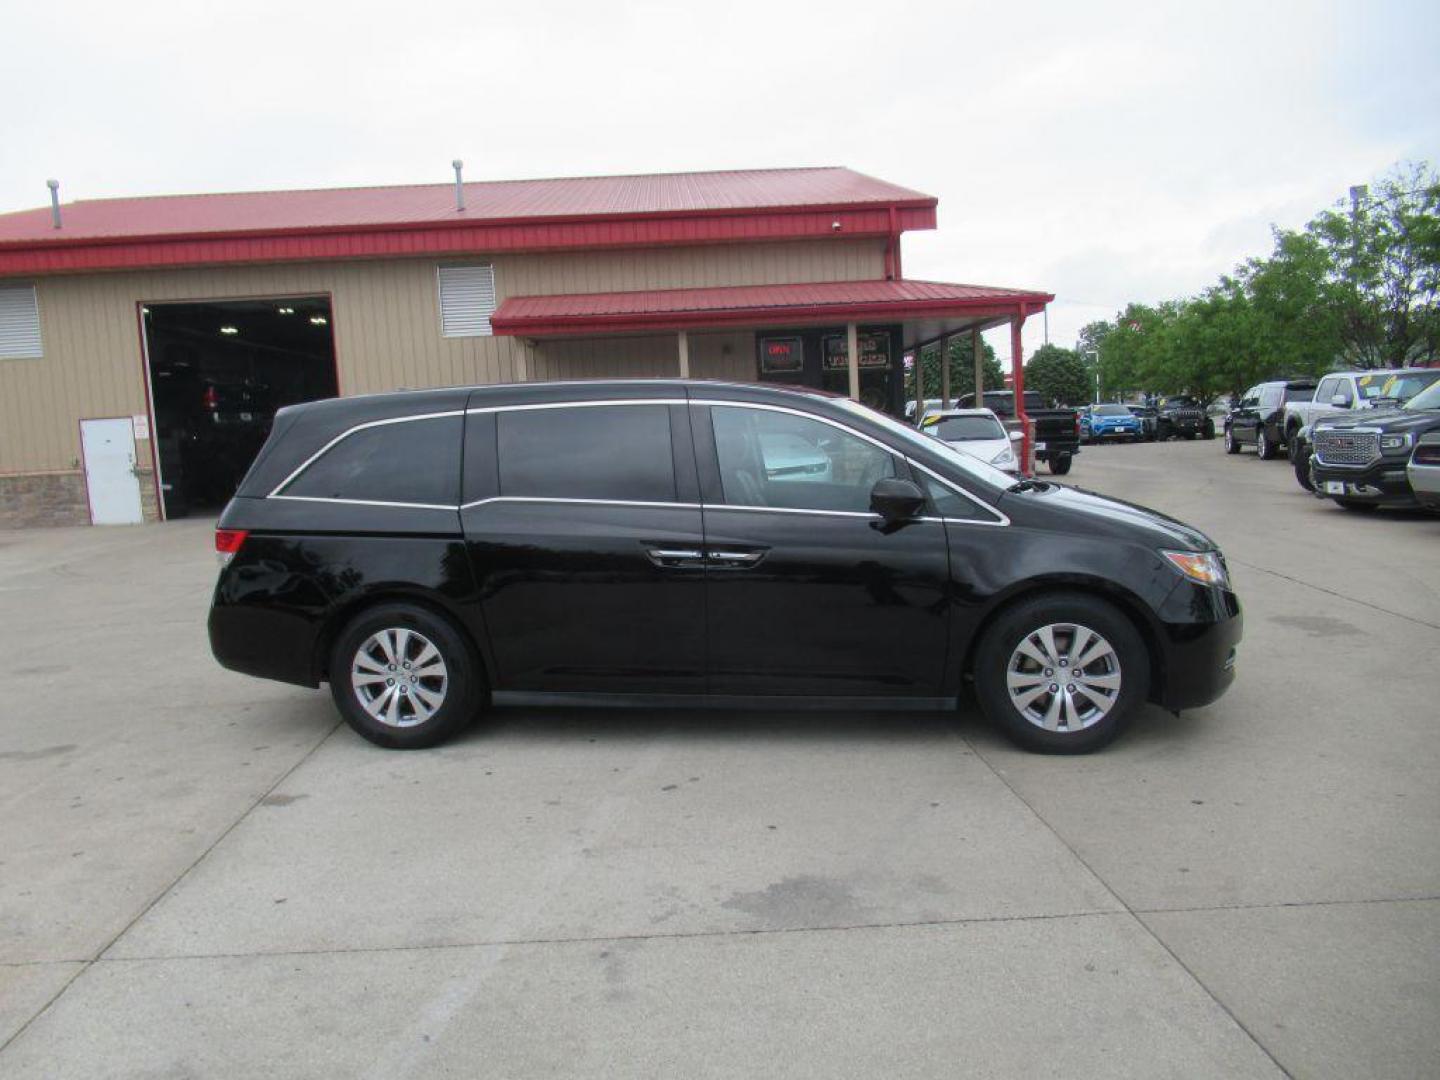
point(109, 449)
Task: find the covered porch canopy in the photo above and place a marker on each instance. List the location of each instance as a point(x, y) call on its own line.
point(929, 312)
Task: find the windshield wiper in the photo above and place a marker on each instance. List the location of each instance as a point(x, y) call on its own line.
point(1029, 484)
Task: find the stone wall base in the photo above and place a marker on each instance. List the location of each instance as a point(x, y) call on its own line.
point(58, 498)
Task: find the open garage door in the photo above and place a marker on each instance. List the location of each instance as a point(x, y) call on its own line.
point(219, 370)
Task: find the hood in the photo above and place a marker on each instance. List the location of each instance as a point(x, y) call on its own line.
point(983, 449)
point(1075, 510)
point(1390, 420)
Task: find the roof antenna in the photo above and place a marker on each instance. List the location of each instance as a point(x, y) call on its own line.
point(54, 186)
point(457, 165)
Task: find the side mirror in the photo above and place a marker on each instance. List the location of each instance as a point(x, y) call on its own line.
point(1340, 401)
point(1016, 436)
point(895, 499)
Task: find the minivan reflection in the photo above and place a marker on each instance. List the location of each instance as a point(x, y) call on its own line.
point(435, 554)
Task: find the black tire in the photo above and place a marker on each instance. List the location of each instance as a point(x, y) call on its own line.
point(1292, 443)
point(1190, 436)
point(1162, 432)
point(1232, 445)
point(1209, 431)
point(1264, 448)
point(461, 689)
point(999, 645)
point(1060, 465)
point(1357, 506)
point(1302, 468)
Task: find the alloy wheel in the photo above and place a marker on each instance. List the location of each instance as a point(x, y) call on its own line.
point(399, 677)
point(1063, 677)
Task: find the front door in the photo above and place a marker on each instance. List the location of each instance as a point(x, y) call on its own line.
point(110, 480)
point(584, 532)
point(807, 593)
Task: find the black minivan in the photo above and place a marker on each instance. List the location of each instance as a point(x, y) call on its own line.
point(434, 553)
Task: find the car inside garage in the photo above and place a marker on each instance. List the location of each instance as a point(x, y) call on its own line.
point(218, 372)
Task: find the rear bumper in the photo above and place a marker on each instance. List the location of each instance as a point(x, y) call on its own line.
point(1200, 648)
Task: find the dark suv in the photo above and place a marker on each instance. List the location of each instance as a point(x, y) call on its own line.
point(432, 553)
point(1258, 418)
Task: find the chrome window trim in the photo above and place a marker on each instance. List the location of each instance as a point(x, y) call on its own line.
point(363, 502)
point(582, 502)
point(275, 493)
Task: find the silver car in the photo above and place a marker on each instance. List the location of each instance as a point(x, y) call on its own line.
point(1423, 471)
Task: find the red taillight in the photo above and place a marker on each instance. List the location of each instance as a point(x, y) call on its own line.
point(227, 543)
point(211, 400)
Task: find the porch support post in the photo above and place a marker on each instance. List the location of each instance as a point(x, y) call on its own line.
point(684, 354)
point(979, 347)
point(1017, 367)
point(852, 358)
point(944, 372)
point(919, 382)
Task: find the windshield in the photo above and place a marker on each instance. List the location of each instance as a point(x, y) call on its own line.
point(965, 428)
point(904, 435)
point(1299, 393)
point(1429, 398)
point(1396, 387)
point(1111, 410)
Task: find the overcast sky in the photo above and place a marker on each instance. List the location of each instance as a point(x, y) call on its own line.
point(1102, 152)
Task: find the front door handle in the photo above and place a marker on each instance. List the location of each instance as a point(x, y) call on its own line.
point(737, 560)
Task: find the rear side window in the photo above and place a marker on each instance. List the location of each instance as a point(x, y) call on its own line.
point(619, 452)
point(412, 461)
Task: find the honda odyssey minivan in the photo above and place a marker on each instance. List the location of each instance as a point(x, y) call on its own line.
point(434, 554)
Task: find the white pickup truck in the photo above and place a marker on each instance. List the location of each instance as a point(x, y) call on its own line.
point(1347, 390)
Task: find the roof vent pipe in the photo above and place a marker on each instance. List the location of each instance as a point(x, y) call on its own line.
point(54, 186)
point(457, 165)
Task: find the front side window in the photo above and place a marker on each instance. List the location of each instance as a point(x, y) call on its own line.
point(1326, 390)
point(416, 462)
point(1342, 390)
point(618, 453)
point(791, 462)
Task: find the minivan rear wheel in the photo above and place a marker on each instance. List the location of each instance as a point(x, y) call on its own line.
point(403, 677)
point(1061, 673)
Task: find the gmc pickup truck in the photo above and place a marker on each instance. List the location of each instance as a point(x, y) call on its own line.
point(1057, 431)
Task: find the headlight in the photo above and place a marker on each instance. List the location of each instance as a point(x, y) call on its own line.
point(1206, 567)
point(1395, 442)
point(1004, 457)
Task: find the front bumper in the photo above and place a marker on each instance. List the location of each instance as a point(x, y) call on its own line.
point(1202, 628)
point(1383, 483)
point(1128, 432)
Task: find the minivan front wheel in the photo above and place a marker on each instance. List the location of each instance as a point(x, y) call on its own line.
point(403, 677)
point(1061, 673)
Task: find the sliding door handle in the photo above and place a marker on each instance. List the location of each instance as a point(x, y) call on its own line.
point(677, 558)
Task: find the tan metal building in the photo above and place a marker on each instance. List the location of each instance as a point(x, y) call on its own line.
point(146, 343)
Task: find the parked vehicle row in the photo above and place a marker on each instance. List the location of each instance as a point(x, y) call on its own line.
point(431, 554)
point(1364, 439)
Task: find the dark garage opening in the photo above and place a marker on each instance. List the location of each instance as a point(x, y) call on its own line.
point(218, 372)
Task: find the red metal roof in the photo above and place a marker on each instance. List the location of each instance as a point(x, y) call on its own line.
point(499, 216)
point(674, 309)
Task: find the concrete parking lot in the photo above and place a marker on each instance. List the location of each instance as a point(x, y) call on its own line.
point(203, 875)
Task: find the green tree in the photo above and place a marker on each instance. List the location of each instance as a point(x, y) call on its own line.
point(962, 368)
point(1058, 376)
point(1384, 252)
